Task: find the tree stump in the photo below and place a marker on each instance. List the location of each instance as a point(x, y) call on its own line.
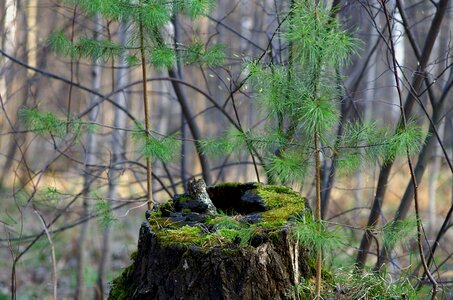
point(244, 251)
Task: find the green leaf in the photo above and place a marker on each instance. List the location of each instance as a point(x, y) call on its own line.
point(165, 149)
point(97, 49)
point(211, 57)
point(272, 85)
point(268, 141)
point(132, 60)
point(193, 52)
point(316, 36)
point(153, 15)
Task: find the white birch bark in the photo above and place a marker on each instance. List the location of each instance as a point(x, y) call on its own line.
point(432, 185)
point(7, 43)
point(7, 40)
point(118, 150)
point(90, 160)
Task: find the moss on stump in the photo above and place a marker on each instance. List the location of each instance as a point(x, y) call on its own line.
point(244, 251)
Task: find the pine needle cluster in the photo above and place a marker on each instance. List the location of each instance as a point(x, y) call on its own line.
point(153, 16)
point(163, 148)
point(47, 123)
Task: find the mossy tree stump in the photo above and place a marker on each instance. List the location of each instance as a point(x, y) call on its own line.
point(245, 251)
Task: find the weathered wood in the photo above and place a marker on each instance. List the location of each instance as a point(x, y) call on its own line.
point(247, 256)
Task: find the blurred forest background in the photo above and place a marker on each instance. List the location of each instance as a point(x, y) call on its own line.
point(71, 205)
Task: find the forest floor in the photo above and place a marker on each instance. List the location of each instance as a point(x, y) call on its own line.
point(34, 268)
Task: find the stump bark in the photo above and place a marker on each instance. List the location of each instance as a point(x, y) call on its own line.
point(246, 252)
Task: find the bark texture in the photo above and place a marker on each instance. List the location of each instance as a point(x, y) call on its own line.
point(268, 266)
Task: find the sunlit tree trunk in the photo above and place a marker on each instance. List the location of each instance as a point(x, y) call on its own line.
point(90, 160)
point(8, 42)
point(118, 154)
point(432, 181)
point(179, 62)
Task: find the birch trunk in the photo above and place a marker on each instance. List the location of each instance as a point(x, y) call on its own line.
point(90, 159)
point(432, 185)
point(118, 149)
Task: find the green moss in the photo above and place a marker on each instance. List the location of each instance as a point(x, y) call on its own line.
point(276, 196)
point(283, 203)
point(239, 236)
point(183, 198)
point(226, 231)
point(185, 236)
point(166, 208)
point(230, 252)
point(133, 255)
point(224, 221)
point(121, 287)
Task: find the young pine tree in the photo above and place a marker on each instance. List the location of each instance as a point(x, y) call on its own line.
point(146, 47)
point(300, 99)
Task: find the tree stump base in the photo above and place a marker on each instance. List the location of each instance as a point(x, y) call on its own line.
point(245, 252)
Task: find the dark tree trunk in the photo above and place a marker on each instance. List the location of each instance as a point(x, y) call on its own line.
point(268, 271)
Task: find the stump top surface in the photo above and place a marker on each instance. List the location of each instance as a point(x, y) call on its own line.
point(242, 212)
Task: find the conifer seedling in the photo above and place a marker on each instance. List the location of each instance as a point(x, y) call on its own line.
point(300, 99)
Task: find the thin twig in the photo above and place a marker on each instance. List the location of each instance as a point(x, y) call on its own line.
point(409, 160)
point(52, 248)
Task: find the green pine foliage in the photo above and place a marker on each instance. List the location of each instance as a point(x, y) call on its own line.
point(196, 52)
point(162, 56)
point(399, 230)
point(195, 8)
point(47, 123)
point(230, 142)
point(153, 16)
point(316, 37)
point(316, 236)
point(287, 166)
point(300, 98)
point(103, 209)
point(163, 148)
point(370, 285)
point(407, 140)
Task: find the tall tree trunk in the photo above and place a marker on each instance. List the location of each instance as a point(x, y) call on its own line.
point(179, 62)
point(432, 185)
point(118, 150)
point(193, 126)
point(90, 159)
point(13, 87)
